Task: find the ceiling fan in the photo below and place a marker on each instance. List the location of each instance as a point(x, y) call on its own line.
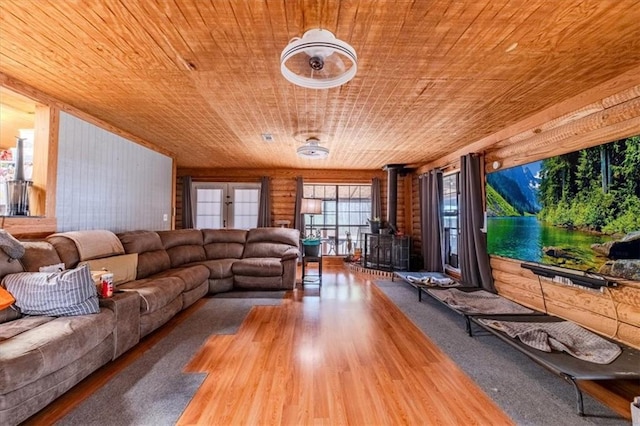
point(312, 150)
point(318, 60)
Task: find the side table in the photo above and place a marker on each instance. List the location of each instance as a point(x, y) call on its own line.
point(311, 278)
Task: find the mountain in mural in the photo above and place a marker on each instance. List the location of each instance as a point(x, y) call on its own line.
point(513, 191)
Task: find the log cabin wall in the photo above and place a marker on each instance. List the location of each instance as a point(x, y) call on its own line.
point(615, 312)
point(283, 186)
point(584, 121)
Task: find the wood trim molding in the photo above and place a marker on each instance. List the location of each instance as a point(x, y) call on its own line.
point(309, 175)
point(29, 227)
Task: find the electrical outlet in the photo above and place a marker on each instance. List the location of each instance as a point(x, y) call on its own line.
point(165, 217)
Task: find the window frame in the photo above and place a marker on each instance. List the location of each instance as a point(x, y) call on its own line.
point(334, 240)
point(451, 257)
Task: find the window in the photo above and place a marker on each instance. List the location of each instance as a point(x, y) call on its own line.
point(345, 209)
point(450, 198)
point(18, 119)
point(226, 205)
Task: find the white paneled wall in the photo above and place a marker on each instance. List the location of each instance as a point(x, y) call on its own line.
point(108, 182)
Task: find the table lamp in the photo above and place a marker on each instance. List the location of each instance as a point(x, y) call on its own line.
point(311, 206)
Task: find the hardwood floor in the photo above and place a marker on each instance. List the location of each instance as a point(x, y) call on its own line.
point(345, 355)
point(341, 355)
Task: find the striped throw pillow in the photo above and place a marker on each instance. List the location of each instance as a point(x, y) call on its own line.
point(58, 294)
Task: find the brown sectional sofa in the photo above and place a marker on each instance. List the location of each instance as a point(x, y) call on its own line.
point(43, 357)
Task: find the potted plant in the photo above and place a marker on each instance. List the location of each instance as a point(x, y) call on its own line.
point(311, 245)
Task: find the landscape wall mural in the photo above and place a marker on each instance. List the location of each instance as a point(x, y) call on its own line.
point(579, 210)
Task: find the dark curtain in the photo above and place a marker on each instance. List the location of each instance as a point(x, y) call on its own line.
point(297, 219)
point(187, 205)
point(376, 199)
point(474, 259)
point(432, 221)
point(264, 208)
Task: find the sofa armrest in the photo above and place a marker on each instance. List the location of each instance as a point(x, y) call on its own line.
point(126, 306)
point(290, 253)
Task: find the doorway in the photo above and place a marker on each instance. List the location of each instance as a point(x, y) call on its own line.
point(226, 205)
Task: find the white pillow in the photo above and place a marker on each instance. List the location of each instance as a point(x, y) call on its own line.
point(58, 267)
point(57, 294)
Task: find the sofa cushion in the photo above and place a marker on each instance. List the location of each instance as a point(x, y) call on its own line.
point(66, 293)
point(38, 254)
point(19, 326)
point(219, 268)
point(288, 236)
point(156, 292)
point(270, 242)
point(66, 250)
point(151, 263)
point(258, 267)
point(51, 346)
point(10, 245)
point(224, 243)
point(152, 257)
point(258, 283)
point(124, 267)
point(9, 314)
point(76, 246)
point(183, 246)
point(192, 276)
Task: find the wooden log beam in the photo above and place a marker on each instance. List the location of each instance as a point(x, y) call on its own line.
point(606, 93)
point(617, 122)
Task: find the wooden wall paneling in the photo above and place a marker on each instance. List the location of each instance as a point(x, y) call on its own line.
point(283, 185)
point(613, 123)
point(283, 200)
point(595, 322)
point(620, 88)
point(628, 314)
point(44, 98)
point(407, 204)
point(627, 293)
point(580, 113)
point(28, 228)
point(614, 312)
point(629, 334)
point(531, 300)
point(52, 161)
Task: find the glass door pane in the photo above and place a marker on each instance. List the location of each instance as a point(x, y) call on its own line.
point(244, 209)
point(209, 208)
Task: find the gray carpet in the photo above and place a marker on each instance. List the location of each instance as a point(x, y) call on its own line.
point(528, 393)
point(153, 390)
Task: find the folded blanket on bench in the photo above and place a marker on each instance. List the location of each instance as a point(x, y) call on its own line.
point(564, 336)
point(478, 302)
point(432, 280)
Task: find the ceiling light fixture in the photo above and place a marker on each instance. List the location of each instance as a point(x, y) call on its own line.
point(318, 60)
point(312, 150)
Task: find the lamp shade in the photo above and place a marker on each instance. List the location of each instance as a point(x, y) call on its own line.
point(311, 206)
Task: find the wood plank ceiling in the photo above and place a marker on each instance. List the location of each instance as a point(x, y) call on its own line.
point(202, 79)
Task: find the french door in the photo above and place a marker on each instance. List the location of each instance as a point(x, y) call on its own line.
point(226, 205)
